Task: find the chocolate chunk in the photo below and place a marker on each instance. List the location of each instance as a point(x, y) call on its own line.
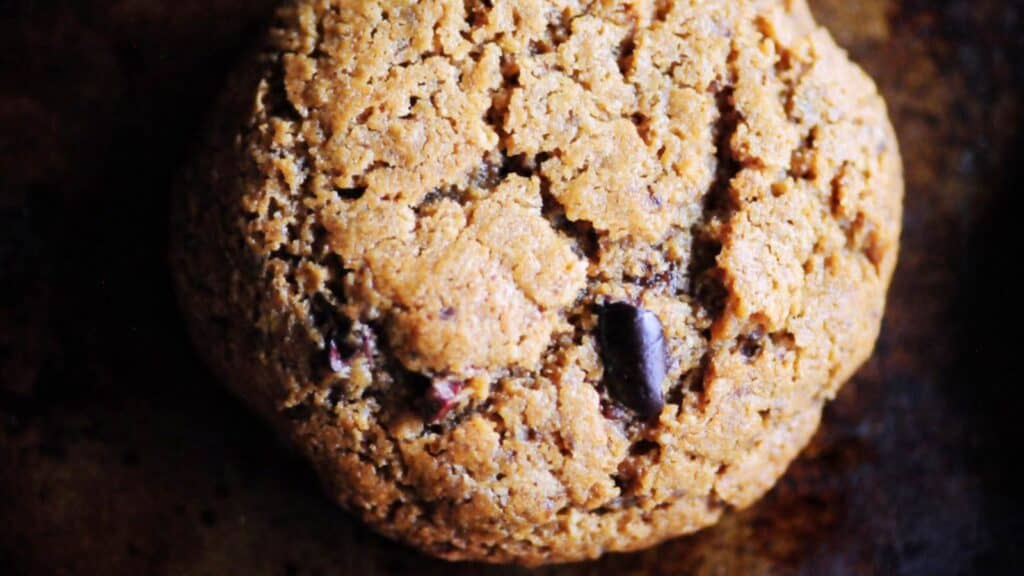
point(354, 193)
point(633, 350)
point(441, 396)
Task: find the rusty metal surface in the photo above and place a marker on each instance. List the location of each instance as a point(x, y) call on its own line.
point(119, 455)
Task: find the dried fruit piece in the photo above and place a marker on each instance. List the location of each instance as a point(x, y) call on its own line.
point(334, 356)
point(338, 352)
point(633, 351)
point(441, 396)
point(347, 341)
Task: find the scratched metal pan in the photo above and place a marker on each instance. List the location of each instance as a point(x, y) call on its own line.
point(118, 455)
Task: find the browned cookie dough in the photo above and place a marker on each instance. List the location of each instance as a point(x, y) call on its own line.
point(530, 281)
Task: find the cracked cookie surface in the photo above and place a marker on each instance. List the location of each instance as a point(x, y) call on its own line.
point(398, 239)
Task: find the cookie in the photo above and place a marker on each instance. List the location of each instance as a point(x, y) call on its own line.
point(533, 281)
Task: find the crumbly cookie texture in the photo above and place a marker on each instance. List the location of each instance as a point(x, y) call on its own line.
point(400, 238)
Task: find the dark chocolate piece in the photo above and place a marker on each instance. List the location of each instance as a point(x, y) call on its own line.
point(633, 351)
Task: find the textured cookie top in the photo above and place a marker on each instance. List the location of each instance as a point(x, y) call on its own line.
point(534, 280)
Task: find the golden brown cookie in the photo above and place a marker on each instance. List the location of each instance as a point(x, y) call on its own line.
point(531, 281)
